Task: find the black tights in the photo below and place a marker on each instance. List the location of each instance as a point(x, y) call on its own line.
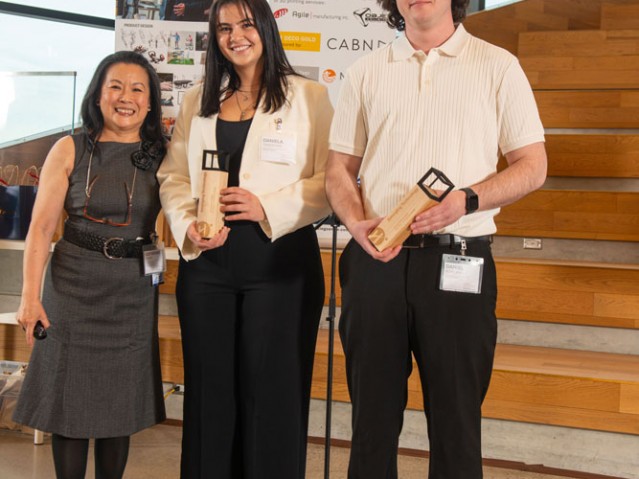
point(70, 457)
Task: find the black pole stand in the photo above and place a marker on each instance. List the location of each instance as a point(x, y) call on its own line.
point(334, 222)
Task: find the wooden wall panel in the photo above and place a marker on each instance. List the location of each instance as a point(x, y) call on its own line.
point(502, 26)
point(171, 350)
point(587, 59)
point(589, 109)
point(618, 76)
point(591, 156)
point(592, 295)
point(615, 156)
point(620, 16)
point(573, 214)
point(576, 417)
point(170, 277)
point(582, 14)
point(629, 398)
point(326, 265)
point(164, 231)
point(612, 306)
point(542, 390)
point(13, 344)
point(579, 43)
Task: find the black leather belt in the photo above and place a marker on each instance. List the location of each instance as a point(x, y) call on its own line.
point(112, 248)
point(426, 241)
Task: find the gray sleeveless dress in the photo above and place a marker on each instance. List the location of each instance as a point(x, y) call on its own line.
point(97, 374)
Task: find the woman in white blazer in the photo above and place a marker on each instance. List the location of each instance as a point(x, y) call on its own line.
point(250, 297)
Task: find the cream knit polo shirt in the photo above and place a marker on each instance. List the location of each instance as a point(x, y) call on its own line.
point(403, 112)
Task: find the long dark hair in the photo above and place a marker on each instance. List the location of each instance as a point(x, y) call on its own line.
point(92, 119)
point(395, 19)
point(218, 69)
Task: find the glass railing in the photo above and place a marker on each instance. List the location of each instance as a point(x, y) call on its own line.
point(35, 104)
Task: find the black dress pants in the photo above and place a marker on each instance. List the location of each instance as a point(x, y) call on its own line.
point(392, 310)
point(249, 313)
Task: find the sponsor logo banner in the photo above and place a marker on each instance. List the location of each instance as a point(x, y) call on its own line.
point(330, 35)
point(366, 16)
point(301, 41)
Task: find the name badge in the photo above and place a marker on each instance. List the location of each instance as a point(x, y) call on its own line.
point(462, 274)
point(279, 148)
point(154, 262)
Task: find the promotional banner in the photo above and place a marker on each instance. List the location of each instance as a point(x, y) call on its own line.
point(177, 50)
point(322, 38)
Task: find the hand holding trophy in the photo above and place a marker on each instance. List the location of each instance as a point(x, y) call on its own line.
point(395, 228)
point(215, 175)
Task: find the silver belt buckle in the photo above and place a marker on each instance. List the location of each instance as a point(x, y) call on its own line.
point(105, 248)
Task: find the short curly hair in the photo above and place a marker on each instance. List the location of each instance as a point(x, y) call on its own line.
point(395, 19)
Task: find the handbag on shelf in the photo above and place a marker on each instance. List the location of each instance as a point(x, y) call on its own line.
point(16, 201)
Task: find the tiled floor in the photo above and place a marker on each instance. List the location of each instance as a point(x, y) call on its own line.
point(155, 454)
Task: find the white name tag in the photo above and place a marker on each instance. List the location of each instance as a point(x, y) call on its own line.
point(279, 148)
point(154, 258)
point(461, 273)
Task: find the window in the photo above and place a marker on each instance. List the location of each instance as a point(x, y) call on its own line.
point(38, 45)
point(94, 8)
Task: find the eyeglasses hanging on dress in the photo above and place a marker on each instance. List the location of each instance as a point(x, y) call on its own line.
point(142, 159)
point(89, 188)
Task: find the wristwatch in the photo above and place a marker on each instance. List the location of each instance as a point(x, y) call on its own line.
point(472, 200)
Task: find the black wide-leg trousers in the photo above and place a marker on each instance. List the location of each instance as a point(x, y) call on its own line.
point(392, 310)
point(249, 313)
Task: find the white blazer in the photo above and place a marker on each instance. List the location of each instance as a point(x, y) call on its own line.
point(292, 193)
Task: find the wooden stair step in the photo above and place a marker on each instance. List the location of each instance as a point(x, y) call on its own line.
point(620, 16)
point(593, 156)
point(588, 109)
point(585, 59)
point(579, 43)
point(577, 293)
point(171, 349)
point(595, 215)
point(503, 25)
point(581, 389)
point(13, 345)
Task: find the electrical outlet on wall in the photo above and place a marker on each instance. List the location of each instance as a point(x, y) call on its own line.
point(532, 243)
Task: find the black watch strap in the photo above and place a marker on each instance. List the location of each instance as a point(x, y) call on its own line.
point(472, 200)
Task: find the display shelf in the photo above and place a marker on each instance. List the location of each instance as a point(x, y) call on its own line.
point(12, 244)
point(8, 318)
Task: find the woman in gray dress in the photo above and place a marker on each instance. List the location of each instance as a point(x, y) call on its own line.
point(96, 374)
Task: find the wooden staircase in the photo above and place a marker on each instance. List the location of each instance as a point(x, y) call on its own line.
point(584, 389)
point(587, 390)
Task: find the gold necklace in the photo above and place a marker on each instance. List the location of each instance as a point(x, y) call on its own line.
point(246, 94)
point(243, 112)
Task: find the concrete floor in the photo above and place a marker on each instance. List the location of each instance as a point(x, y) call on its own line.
point(155, 454)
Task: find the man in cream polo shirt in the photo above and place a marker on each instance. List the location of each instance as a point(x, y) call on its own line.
point(435, 97)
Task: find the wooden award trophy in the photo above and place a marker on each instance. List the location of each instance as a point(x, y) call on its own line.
point(215, 176)
point(395, 228)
